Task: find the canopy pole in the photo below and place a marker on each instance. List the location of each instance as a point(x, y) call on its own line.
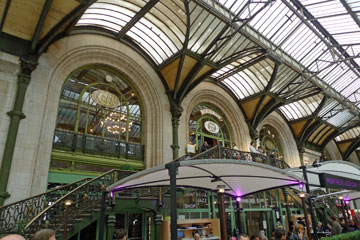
point(356, 213)
point(172, 167)
point(238, 215)
point(306, 218)
point(344, 214)
point(102, 216)
point(311, 209)
point(222, 215)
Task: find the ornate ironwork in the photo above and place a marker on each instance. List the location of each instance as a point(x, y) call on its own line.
point(13, 217)
point(85, 202)
point(219, 152)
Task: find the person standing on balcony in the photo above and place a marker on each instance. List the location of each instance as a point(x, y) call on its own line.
point(252, 147)
point(205, 146)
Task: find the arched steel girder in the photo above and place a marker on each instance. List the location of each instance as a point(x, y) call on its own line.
point(69, 19)
point(352, 148)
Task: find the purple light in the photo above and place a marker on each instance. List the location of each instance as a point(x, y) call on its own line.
point(111, 194)
point(238, 199)
point(301, 185)
point(347, 202)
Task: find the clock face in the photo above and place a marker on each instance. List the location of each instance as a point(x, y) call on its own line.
point(211, 127)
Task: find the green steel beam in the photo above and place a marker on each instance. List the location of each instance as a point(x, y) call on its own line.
point(3, 17)
point(27, 65)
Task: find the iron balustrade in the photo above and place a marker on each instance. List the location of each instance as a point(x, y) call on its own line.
point(85, 202)
point(13, 217)
point(68, 140)
point(219, 152)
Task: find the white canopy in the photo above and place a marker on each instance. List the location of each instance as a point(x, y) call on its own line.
point(352, 195)
point(334, 167)
point(240, 177)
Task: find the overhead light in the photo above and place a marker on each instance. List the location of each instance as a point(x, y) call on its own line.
point(221, 188)
point(302, 195)
point(238, 199)
point(340, 197)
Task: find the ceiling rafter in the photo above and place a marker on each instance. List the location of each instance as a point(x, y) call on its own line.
point(185, 46)
point(3, 17)
point(350, 11)
point(52, 34)
point(352, 148)
point(40, 24)
point(219, 37)
point(136, 18)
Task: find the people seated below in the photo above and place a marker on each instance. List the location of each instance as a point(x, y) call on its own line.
point(299, 233)
point(335, 226)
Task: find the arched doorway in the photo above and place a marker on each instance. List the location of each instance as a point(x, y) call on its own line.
point(207, 124)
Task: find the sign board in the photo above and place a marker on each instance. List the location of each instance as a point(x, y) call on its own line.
point(105, 98)
point(210, 112)
point(337, 182)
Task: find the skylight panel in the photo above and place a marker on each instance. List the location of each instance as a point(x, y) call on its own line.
point(340, 118)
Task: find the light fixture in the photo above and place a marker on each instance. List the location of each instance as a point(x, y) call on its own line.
point(238, 199)
point(341, 197)
point(68, 203)
point(302, 195)
point(221, 188)
point(301, 185)
point(108, 78)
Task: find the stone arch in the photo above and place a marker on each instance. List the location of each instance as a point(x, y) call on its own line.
point(291, 153)
point(73, 52)
point(210, 93)
point(332, 149)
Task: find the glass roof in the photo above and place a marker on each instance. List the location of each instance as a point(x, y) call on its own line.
point(160, 33)
point(321, 35)
point(301, 108)
point(305, 43)
point(249, 81)
point(350, 134)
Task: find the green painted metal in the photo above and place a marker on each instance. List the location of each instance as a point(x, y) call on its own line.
point(90, 159)
point(59, 177)
point(27, 65)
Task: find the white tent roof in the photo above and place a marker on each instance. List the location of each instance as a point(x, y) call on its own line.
point(337, 168)
point(352, 195)
point(241, 178)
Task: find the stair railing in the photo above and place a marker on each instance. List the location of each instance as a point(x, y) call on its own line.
point(85, 201)
point(14, 216)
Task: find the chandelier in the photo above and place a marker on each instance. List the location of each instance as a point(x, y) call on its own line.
point(114, 123)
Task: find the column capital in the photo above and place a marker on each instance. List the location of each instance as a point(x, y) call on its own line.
point(28, 64)
point(176, 110)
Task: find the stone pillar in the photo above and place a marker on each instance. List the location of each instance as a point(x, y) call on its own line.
point(176, 111)
point(27, 66)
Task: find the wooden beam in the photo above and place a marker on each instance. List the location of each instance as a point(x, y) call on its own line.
point(3, 17)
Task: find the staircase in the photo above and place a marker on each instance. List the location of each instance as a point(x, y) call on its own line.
point(48, 210)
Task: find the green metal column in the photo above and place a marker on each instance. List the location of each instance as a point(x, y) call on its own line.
point(176, 111)
point(301, 155)
point(110, 226)
point(27, 65)
point(288, 212)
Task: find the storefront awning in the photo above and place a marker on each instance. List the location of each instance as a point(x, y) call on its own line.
point(341, 169)
point(240, 178)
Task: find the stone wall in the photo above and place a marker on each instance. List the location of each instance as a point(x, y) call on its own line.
point(332, 149)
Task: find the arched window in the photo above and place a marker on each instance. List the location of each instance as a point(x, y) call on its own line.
point(208, 124)
point(270, 141)
point(99, 113)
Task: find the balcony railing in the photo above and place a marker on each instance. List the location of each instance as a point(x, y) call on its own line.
point(66, 140)
point(219, 152)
